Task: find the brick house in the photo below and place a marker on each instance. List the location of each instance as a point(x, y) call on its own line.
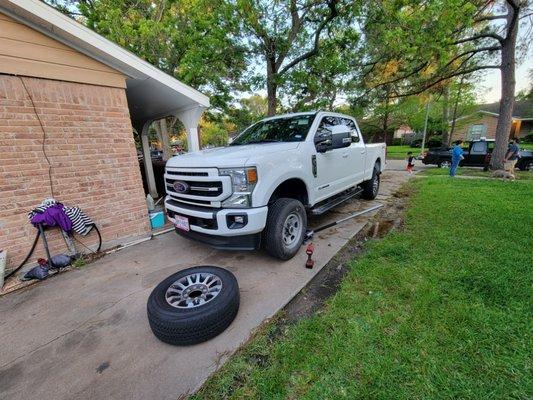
point(69, 101)
point(483, 123)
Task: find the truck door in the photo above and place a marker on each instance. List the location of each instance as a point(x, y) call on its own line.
point(357, 158)
point(478, 151)
point(333, 166)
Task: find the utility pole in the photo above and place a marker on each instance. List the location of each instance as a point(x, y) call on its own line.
point(425, 129)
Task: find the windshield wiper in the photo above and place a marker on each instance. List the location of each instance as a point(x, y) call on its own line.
point(264, 141)
point(256, 142)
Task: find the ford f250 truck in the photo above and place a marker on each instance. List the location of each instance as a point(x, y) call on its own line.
point(259, 189)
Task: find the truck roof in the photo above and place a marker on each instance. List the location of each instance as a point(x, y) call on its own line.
point(308, 113)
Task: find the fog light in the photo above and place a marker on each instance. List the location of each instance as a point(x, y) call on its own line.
point(236, 221)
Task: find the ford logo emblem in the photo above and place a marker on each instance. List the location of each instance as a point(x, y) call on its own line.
point(181, 187)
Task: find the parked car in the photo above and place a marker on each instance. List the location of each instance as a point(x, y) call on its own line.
point(259, 190)
point(476, 154)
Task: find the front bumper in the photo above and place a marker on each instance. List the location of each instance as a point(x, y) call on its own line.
point(211, 225)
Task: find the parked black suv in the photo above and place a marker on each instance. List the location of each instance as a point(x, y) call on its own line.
point(477, 154)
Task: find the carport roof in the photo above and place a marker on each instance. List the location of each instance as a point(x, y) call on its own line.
point(152, 94)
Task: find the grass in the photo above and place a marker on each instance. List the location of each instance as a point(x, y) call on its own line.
point(400, 152)
point(439, 310)
point(475, 172)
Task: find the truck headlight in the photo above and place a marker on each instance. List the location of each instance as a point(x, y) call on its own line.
point(243, 181)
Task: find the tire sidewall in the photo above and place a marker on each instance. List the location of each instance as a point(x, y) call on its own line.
point(281, 209)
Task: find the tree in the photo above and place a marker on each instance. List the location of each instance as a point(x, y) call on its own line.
point(287, 33)
point(193, 41)
point(433, 42)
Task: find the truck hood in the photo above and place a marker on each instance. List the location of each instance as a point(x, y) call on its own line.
point(231, 156)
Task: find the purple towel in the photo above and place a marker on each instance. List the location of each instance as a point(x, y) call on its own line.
point(52, 216)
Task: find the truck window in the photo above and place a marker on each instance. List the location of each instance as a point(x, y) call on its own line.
point(327, 123)
point(479, 147)
point(353, 129)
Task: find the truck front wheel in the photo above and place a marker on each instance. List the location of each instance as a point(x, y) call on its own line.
point(285, 228)
point(371, 187)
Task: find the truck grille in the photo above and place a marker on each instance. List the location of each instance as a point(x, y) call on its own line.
point(197, 188)
point(187, 173)
point(203, 186)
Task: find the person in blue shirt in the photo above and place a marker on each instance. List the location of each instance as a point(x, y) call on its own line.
point(457, 156)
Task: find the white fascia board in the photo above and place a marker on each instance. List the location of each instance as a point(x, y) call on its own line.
point(52, 23)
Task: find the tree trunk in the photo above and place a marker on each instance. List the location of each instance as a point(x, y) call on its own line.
point(385, 124)
point(507, 70)
point(272, 86)
point(454, 115)
point(445, 114)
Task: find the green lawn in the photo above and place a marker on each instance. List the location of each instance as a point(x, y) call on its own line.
point(439, 310)
point(400, 152)
point(477, 172)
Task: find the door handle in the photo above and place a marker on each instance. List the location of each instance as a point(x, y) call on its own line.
point(344, 155)
point(363, 151)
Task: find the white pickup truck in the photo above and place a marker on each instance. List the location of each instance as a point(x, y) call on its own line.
point(259, 189)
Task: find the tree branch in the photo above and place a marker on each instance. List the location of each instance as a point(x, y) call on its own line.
point(333, 12)
point(480, 36)
point(473, 51)
point(489, 18)
point(295, 28)
point(443, 78)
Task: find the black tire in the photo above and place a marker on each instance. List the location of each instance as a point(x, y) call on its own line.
point(371, 187)
point(278, 213)
point(187, 326)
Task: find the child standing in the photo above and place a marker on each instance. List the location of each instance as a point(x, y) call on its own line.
point(410, 162)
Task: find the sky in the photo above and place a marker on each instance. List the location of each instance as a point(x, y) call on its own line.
point(492, 86)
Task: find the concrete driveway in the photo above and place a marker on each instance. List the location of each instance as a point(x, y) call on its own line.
point(84, 334)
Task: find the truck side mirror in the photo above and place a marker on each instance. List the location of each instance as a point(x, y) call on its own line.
point(323, 140)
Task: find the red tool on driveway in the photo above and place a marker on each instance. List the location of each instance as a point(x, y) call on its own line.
point(310, 263)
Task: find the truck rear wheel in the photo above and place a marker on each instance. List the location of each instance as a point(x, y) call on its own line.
point(285, 228)
point(371, 187)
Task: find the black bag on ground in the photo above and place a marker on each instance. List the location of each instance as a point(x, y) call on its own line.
point(39, 272)
point(60, 261)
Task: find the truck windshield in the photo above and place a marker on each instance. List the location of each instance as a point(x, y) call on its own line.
point(284, 129)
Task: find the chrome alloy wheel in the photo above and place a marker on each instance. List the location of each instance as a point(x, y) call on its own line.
point(292, 229)
point(193, 290)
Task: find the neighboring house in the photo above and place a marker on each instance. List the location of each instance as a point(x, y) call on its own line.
point(403, 131)
point(483, 122)
point(69, 101)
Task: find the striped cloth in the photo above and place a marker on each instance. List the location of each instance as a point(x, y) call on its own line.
point(81, 223)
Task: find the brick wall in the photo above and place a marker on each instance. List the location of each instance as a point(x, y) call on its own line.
point(90, 146)
point(463, 126)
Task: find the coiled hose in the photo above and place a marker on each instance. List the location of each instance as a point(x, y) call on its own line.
point(35, 244)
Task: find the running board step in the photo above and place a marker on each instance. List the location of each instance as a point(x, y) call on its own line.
point(335, 201)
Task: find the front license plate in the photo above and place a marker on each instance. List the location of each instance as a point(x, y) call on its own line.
point(182, 223)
